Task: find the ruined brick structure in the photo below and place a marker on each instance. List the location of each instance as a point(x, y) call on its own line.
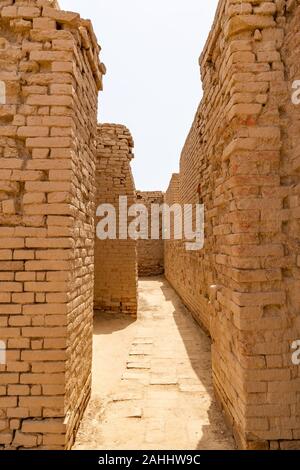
point(150, 251)
point(241, 159)
point(50, 76)
point(115, 259)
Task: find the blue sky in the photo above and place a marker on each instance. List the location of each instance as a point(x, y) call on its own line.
point(151, 51)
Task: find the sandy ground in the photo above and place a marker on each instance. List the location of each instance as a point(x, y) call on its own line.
point(152, 384)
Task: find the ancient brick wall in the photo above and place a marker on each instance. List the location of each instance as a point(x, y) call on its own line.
point(171, 246)
point(115, 259)
point(289, 220)
point(150, 250)
point(241, 159)
point(182, 268)
point(50, 76)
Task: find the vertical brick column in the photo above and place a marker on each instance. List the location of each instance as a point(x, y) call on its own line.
point(172, 247)
point(115, 259)
point(51, 73)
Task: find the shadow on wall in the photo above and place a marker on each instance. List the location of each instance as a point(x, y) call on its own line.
point(200, 359)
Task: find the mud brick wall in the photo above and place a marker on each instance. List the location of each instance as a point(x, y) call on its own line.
point(150, 252)
point(183, 268)
point(50, 76)
point(115, 260)
point(289, 219)
point(241, 159)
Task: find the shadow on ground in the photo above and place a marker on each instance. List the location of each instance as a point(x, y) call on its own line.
point(199, 354)
point(108, 323)
point(152, 380)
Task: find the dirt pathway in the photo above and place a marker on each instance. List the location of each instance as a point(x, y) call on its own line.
point(152, 386)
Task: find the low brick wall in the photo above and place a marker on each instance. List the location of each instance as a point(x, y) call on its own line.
point(241, 160)
point(50, 76)
point(115, 260)
point(150, 251)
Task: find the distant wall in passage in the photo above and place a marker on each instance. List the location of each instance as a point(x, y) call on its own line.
point(115, 260)
point(150, 252)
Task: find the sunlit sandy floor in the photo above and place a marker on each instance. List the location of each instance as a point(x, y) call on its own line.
point(152, 385)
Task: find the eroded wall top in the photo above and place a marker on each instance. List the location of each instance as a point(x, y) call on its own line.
point(27, 18)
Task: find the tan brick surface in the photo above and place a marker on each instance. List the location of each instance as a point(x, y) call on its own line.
point(240, 160)
point(150, 251)
point(115, 260)
point(49, 63)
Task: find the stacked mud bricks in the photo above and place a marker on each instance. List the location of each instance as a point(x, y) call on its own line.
point(116, 273)
point(50, 76)
point(241, 160)
point(150, 251)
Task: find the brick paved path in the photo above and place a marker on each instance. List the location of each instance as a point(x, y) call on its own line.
point(152, 381)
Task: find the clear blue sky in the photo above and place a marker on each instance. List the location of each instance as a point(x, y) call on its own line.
point(151, 50)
